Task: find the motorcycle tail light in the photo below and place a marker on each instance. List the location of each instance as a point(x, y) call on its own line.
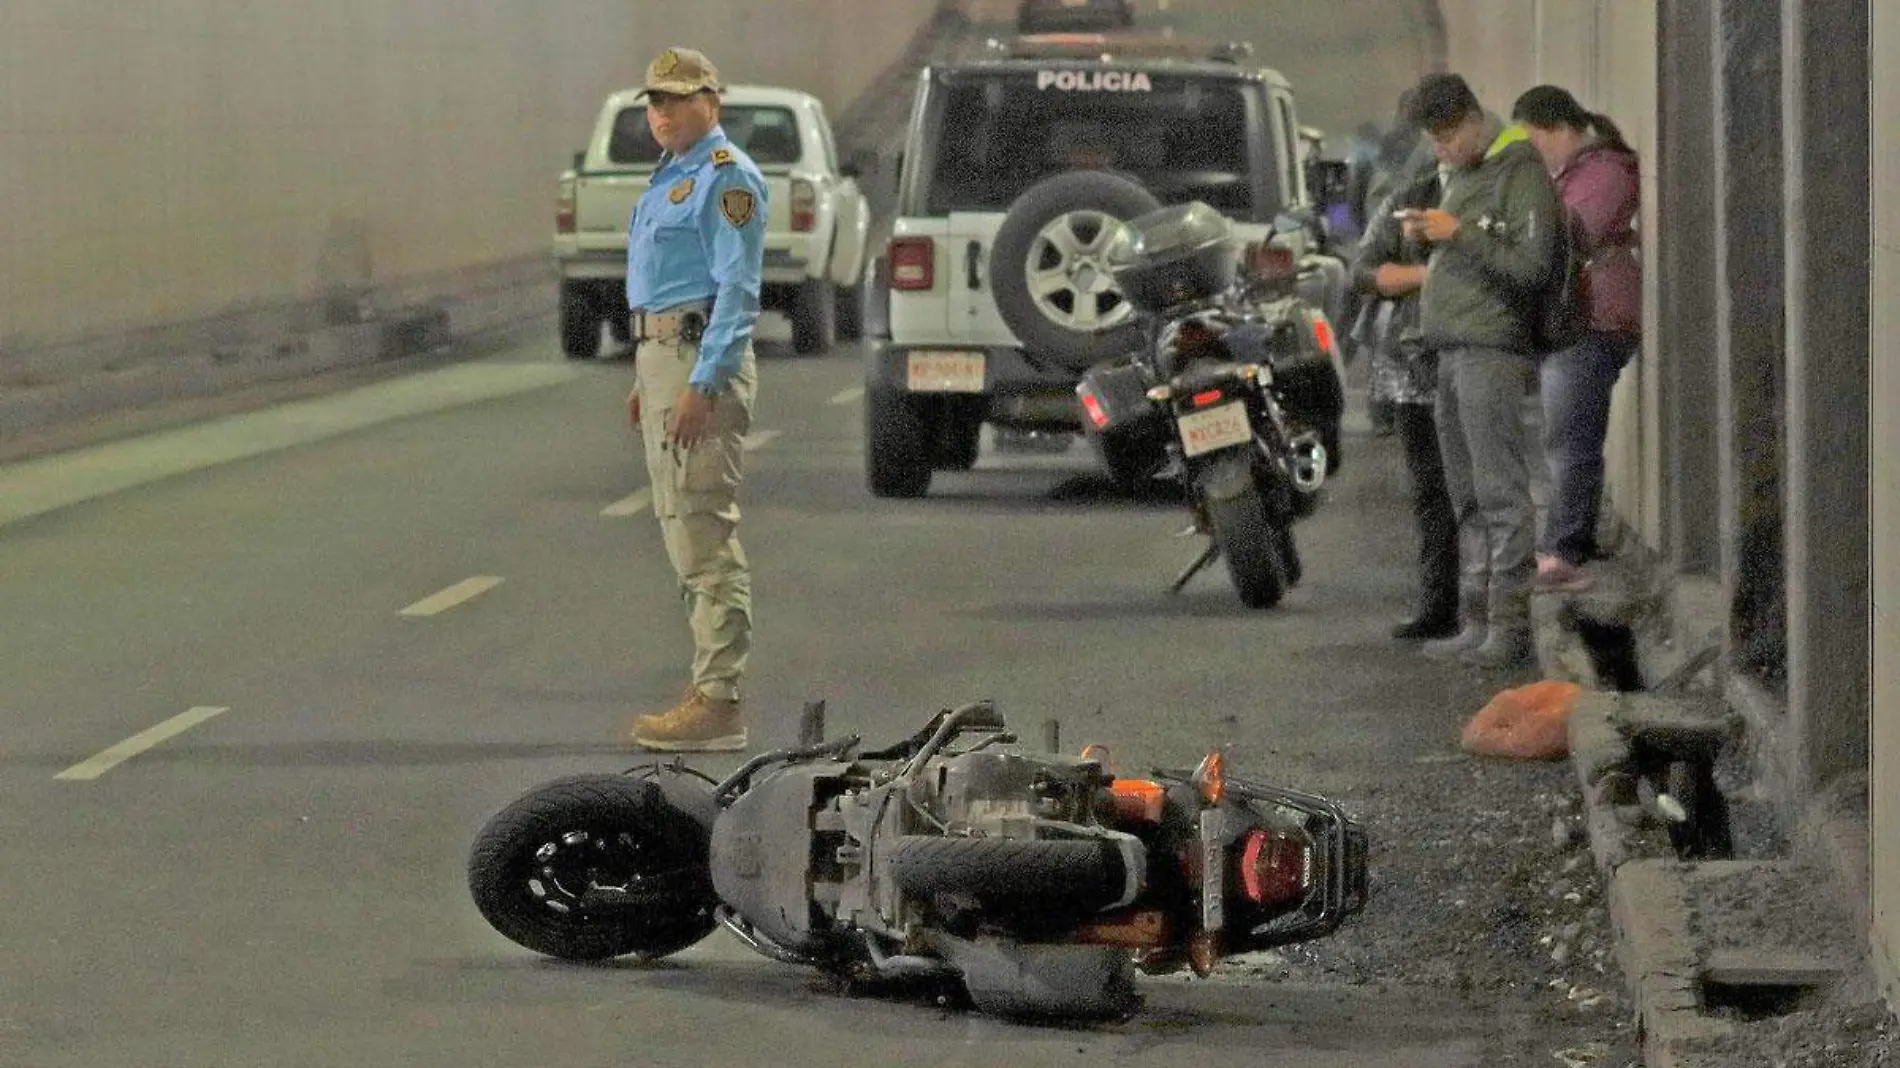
point(1207, 397)
point(913, 263)
point(1092, 405)
point(1323, 333)
point(1275, 868)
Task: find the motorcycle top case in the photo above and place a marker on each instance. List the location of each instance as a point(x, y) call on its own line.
point(1173, 256)
point(1115, 397)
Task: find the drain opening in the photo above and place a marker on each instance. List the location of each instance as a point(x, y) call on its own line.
point(1751, 1002)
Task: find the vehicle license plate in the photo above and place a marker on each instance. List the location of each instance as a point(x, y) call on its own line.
point(1216, 428)
point(946, 372)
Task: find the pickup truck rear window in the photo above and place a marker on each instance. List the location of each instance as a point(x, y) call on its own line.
point(1184, 140)
point(768, 134)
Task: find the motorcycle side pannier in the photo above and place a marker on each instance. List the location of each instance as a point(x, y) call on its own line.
point(1115, 397)
point(1303, 377)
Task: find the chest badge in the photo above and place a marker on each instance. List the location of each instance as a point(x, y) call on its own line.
point(680, 192)
point(737, 205)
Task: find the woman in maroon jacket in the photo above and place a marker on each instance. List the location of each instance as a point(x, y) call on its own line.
point(1597, 178)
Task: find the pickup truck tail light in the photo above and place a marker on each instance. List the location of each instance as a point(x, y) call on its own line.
point(913, 263)
point(564, 209)
point(804, 206)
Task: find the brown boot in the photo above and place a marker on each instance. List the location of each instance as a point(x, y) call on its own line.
point(698, 724)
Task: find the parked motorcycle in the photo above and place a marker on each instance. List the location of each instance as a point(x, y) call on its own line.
point(1235, 390)
point(1028, 883)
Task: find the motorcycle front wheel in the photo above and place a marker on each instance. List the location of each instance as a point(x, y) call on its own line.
point(592, 867)
point(1251, 542)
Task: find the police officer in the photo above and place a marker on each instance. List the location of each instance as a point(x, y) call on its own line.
point(695, 253)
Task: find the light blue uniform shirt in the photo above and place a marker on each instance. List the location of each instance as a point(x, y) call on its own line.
point(698, 234)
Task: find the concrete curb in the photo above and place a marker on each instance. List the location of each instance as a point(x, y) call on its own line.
point(1649, 903)
point(1650, 908)
point(165, 378)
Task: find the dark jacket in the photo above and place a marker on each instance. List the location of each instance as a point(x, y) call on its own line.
point(1485, 281)
point(1403, 370)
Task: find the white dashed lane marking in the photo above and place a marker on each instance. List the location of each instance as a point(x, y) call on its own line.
point(461, 593)
point(93, 767)
point(759, 439)
point(849, 396)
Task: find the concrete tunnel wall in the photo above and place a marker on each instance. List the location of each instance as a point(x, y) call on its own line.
point(178, 161)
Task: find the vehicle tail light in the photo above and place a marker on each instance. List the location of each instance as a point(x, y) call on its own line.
point(1323, 334)
point(1275, 868)
point(564, 221)
point(1205, 398)
point(913, 263)
point(1270, 263)
point(804, 206)
point(1137, 800)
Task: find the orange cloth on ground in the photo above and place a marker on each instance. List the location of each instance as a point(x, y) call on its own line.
point(1527, 723)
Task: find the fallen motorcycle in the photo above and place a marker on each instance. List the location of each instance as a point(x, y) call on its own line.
point(1027, 883)
point(1234, 394)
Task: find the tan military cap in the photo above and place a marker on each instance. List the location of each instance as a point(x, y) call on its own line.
point(682, 72)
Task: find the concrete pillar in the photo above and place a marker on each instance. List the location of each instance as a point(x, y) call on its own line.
point(1749, 324)
point(1685, 258)
point(1824, 77)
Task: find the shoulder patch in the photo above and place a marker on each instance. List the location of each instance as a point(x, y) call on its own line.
point(722, 157)
point(738, 206)
point(680, 192)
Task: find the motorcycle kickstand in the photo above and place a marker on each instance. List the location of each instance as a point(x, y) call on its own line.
point(1207, 557)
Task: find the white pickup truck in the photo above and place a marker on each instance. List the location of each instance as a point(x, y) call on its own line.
point(817, 219)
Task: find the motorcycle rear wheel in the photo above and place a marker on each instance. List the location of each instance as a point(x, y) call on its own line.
point(1248, 539)
point(592, 867)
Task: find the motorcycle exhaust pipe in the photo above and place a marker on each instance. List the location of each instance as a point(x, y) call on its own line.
point(1308, 463)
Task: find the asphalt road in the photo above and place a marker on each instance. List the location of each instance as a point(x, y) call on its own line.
point(281, 882)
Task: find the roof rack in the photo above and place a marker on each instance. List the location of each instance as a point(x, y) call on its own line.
point(1109, 47)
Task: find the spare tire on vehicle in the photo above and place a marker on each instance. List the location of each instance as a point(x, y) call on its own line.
point(1049, 267)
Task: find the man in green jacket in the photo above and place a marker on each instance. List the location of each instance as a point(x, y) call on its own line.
point(1493, 241)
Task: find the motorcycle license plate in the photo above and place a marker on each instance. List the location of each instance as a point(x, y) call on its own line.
point(1218, 427)
point(945, 372)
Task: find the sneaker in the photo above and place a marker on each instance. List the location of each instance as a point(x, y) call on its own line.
point(1472, 636)
point(1557, 575)
point(1506, 648)
point(698, 724)
point(1424, 627)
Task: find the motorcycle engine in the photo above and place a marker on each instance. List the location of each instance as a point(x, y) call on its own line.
point(798, 854)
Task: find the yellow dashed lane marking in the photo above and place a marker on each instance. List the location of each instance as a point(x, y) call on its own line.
point(92, 768)
point(460, 593)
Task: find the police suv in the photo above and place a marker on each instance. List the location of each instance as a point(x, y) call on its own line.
point(994, 282)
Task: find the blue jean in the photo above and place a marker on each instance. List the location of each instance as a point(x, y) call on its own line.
point(1576, 385)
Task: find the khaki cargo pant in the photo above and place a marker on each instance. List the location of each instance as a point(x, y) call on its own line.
point(695, 496)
